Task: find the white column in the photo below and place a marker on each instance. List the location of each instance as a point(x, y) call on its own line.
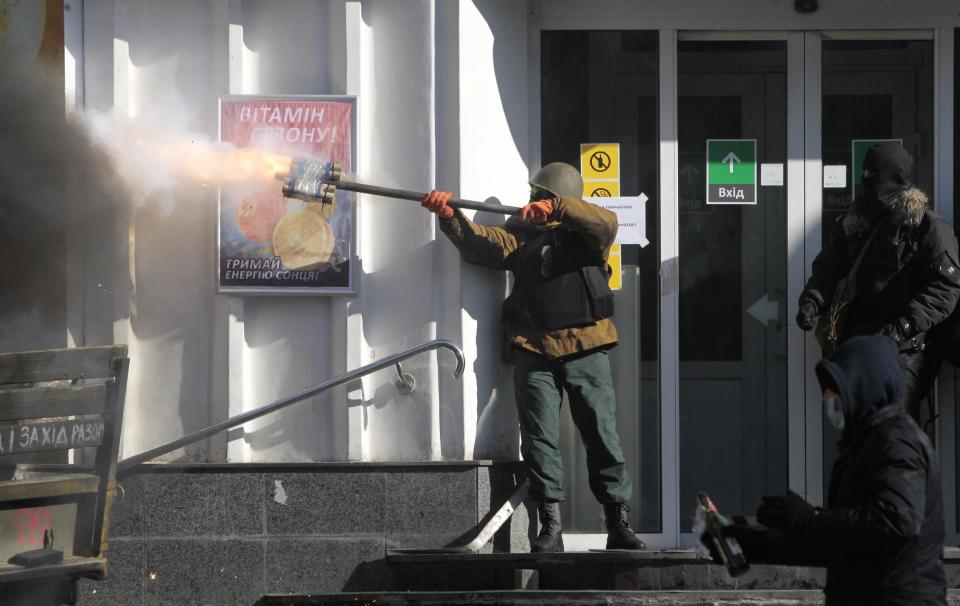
point(73, 64)
point(358, 48)
point(399, 272)
point(494, 149)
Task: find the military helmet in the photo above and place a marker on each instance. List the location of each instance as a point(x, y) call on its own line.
point(560, 179)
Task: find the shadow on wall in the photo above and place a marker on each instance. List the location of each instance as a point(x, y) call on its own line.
point(285, 37)
point(171, 46)
point(484, 291)
point(509, 69)
point(171, 261)
point(288, 351)
point(497, 430)
point(399, 316)
point(170, 293)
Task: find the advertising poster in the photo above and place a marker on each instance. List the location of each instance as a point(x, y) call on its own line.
point(269, 244)
point(32, 32)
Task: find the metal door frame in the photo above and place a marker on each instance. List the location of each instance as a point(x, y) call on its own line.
point(804, 197)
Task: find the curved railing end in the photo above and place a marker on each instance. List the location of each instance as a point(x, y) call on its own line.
point(458, 353)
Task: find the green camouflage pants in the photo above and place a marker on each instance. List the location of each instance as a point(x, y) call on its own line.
point(538, 385)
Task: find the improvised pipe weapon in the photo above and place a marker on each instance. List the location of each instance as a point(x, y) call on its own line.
point(314, 181)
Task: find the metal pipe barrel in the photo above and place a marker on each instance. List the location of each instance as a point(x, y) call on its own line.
point(314, 181)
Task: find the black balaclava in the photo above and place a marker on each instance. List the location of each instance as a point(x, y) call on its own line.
point(886, 172)
point(866, 372)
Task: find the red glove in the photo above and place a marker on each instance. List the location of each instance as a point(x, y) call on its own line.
point(537, 212)
point(436, 202)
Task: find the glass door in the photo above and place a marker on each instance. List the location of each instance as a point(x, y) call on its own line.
point(745, 144)
point(874, 89)
point(602, 87)
point(732, 127)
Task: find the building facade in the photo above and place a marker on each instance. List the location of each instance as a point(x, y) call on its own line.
point(715, 384)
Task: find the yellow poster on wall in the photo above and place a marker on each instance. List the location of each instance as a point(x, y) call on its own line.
point(601, 189)
point(600, 161)
point(600, 169)
point(616, 279)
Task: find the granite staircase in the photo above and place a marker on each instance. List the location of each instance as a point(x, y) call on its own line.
point(597, 577)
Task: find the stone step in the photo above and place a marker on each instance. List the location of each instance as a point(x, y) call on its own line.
point(599, 570)
point(669, 570)
point(570, 598)
point(544, 598)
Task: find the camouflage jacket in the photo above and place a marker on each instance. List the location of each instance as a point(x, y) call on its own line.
point(497, 248)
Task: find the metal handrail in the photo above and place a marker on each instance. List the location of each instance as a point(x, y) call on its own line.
point(240, 419)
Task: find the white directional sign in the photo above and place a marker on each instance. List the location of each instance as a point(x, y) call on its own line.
point(764, 310)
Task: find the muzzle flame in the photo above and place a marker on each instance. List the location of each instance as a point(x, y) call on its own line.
point(229, 165)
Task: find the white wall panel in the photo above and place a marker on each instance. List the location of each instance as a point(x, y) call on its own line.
point(494, 146)
point(163, 57)
point(398, 258)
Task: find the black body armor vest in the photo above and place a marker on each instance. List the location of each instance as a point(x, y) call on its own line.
point(560, 282)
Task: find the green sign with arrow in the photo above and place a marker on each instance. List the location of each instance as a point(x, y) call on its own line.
point(731, 171)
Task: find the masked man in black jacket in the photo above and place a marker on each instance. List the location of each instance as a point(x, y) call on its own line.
point(908, 279)
point(881, 534)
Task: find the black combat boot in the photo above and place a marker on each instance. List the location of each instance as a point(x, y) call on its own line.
point(619, 533)
point(549, 539)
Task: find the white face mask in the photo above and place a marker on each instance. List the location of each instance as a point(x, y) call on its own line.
point(834, 413)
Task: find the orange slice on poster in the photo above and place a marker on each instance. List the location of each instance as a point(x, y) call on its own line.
point(258, 214)
point(303, 240)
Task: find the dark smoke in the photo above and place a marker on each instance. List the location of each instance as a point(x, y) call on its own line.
point(56, 189)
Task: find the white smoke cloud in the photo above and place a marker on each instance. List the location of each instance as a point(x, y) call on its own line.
point(159, 153)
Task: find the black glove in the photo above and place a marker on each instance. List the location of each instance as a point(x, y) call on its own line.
point(789, 512)
point(890, 330)
point(807, 314)
point(752, 539)
point(899, 331)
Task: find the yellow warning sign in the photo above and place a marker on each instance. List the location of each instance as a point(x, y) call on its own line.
point(600, 161)
point(616, 280)
point(601, 189)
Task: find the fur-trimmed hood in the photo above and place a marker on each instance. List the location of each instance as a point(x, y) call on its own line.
point(904, 210)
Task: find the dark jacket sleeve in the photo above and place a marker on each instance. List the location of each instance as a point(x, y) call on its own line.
point(785, 549)
point(479, 244)
point(830, 266)
point(940, 274)
point(893, 512)
point(598, 225)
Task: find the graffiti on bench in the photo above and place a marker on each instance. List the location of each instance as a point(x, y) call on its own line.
point(58, 435)
point(31, 522)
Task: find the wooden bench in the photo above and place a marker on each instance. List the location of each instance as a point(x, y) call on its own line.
point(58, 400)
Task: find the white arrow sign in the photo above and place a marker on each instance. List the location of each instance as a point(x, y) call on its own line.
point(731, 158)
point(764, 310)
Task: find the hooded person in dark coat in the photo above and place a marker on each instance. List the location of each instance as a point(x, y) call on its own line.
point(908, 281)
point(881, 534)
